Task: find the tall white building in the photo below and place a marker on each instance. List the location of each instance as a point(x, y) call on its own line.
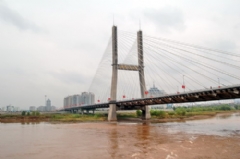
point(32, 108)
point(86, 98)
point(48, 105)
point(10, 108)
point(16, 109)
point(3, 108)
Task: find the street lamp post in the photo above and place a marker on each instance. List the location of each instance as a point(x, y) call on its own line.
point(219, 83)
point(183, 86)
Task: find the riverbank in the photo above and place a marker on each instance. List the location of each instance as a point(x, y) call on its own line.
point(170, 116)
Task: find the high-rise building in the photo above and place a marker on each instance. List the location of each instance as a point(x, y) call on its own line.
point(155, 92)
point(3, 108)
point(32, 108)
point(10, 108)
point(41, 108)
point(68, 102)
point(48, 105)
point(16, 109)
point(77, 100)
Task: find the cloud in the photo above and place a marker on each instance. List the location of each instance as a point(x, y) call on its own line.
point(10, 16)
point(70, 77)
point(165, 18)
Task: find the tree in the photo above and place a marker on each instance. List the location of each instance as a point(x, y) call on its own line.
point(37, 113)
point(139, 113)
point(23, 113)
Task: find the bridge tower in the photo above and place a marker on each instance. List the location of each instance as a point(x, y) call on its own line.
point(145, 109)
point(112, 115)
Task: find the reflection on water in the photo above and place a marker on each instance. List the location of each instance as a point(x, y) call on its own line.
point(113, 143)
point(32, 123)
point(22, 122)
point(105, 140)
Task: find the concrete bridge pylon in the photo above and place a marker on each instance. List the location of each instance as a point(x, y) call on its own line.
point(112, 115)
point(145, 109)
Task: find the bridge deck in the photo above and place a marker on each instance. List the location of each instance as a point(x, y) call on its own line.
point(230, 92)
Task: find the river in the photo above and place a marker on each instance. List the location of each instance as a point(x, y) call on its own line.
point(218, 137)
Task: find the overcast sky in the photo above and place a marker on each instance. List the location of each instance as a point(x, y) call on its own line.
point(53, 47)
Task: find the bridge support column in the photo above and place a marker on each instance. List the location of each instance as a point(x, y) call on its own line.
point(146, 109)
point(146, 113)
point(112, 115)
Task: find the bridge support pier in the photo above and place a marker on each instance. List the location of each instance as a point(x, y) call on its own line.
point(146, 113)
point(112, 114)
point(82, 111)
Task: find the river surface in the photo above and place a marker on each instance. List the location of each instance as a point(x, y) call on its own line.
point(190, 139)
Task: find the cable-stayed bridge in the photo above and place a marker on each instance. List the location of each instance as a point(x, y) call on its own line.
point(183, 72)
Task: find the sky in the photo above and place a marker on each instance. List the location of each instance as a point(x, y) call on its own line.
point(54, 47)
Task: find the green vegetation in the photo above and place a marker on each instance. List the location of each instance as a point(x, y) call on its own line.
point(237, 107)
point(35, 113)
point(23, 113)
point(36, 116)
point(158, 113)
point(223, 107)
point(139, 113)
point(203, 110)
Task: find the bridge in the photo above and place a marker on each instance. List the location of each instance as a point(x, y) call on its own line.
point(202, 66)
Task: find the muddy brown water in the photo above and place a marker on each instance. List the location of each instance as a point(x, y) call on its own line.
point(218, 137)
